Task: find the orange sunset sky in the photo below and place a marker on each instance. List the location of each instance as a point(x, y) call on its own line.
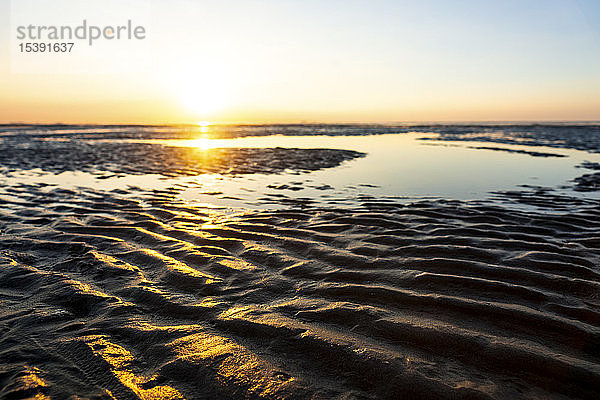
point(323, 61)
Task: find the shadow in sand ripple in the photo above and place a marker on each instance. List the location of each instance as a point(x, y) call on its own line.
point(432, 299)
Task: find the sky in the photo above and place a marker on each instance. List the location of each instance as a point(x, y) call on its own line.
point(288, 61)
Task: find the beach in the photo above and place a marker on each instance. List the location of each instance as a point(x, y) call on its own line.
point(300, 262)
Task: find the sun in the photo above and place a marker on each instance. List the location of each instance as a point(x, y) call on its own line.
point(201, 98)
point(200, 91)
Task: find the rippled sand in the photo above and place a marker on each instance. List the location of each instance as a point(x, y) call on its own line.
point(138, 294)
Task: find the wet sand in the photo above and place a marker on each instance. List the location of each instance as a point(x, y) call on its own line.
point(121, 159)
point(137, 293)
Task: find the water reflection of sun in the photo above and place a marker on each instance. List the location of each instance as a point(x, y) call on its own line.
point(203, 143)
point(204, 126)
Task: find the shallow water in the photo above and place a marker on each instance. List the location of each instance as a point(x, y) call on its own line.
point(395, 166)
point(404, 165)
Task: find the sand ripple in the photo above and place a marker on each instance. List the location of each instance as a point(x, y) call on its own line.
point(106, 296)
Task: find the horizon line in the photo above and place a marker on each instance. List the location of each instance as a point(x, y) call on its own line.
point(306, 122)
